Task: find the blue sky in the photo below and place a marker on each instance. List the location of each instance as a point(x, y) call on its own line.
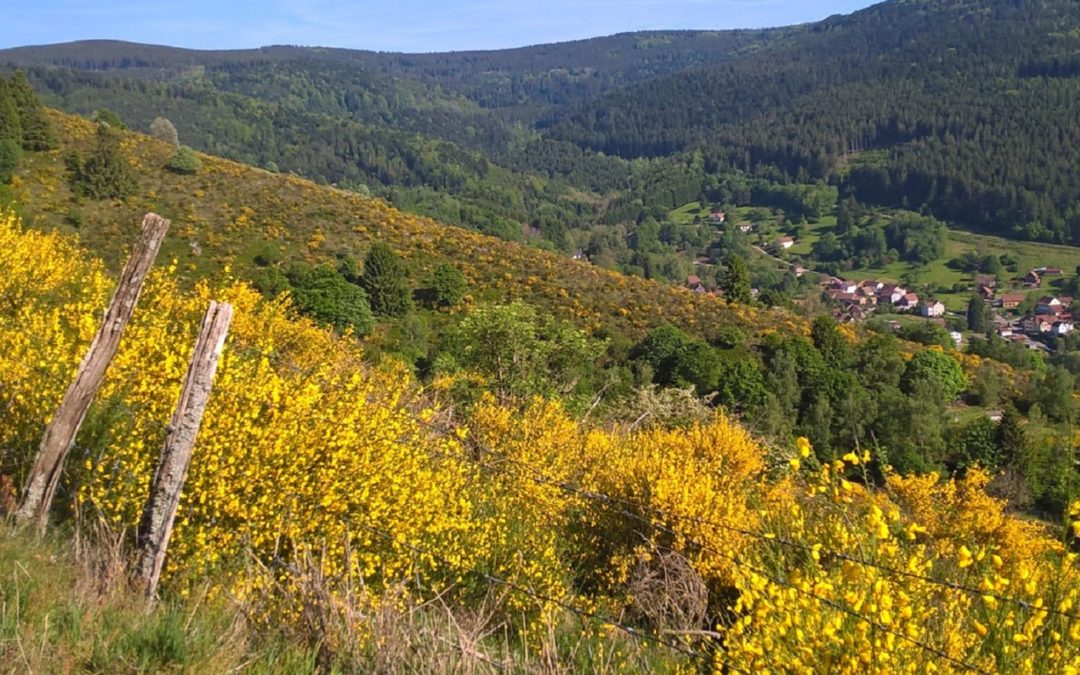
point(401, 25)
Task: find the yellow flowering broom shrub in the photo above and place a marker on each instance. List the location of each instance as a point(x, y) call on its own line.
point(929, 575)
point(312, 463)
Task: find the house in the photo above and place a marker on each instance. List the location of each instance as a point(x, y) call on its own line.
point(784, 243)
point(717, 217)
point(986, 292)
point(1049, 305)
point(1049, 271)
point(893, 294)
point(932, 308)
point(851, 314)
point(1012, 300)
point(988, 280)
point(1063, 327)
point(800, 271)
point(1032, 278)
point(838, 295)
point(845, 286)
point(693, 282)
point(908, 302)
point(746, 228)
point(1037, 325)
point(870, 287)
point(957, 338)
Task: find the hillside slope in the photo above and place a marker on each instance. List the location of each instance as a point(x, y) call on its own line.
point(336, 512)
point(229, 211)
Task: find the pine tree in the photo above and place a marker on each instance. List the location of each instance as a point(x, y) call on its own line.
point(1011, 436)
point(106, 173)
point(10, 125)
point(10, 133)
point(37, 133)
point(737, 280)
point(976, 314)
point(387, 282)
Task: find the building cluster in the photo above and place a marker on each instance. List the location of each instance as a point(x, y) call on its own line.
point(857, 299)
point(1052, 316)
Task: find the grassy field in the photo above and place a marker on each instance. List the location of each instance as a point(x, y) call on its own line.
point(1029, 255)
point(804, 245)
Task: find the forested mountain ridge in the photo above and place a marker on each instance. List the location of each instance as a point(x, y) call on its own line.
point(965, 109)
point(971, 107)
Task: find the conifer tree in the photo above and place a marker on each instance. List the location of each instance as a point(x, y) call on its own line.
point(737, 280)
point(106, 173)
point(976, 314)
point(10, 125)
point(10, 133)
point(1011, 435)
point(37, 133)
point(387, 282)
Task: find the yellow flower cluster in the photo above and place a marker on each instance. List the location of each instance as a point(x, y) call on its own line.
point(311, 462)
point(929, 575)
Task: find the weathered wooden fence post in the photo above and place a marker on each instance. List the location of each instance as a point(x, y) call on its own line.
point(155, 528)
point(60, 434)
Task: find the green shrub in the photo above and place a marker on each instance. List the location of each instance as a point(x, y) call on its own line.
point(322, 293)
point(184, 161)
point(448, 285)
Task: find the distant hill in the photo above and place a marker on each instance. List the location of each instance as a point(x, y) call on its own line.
point(228, 212)
point(966, 108)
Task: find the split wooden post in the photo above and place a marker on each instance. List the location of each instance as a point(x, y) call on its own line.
point(60, 434)
point(155, 528)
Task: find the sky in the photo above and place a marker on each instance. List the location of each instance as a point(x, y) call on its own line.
point(387, 25)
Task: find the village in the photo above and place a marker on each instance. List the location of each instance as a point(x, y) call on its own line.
point(1015, 318)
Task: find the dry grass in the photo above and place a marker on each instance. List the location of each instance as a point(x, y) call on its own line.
point(66, 606)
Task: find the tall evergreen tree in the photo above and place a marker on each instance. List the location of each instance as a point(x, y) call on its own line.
point(10, 125)
point(106, 173)
point(10, 133)
point(387, 282)
point(736, 284)
point(832, 345)
point(976, 314)
point(1011, 435)
point(37, 133)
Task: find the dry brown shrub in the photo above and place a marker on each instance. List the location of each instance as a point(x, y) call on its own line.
point(667, 593)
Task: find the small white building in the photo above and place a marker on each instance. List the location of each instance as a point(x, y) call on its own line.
point(1063, 328)
point(957, 338)
point(932, 308)
point(784, 243)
